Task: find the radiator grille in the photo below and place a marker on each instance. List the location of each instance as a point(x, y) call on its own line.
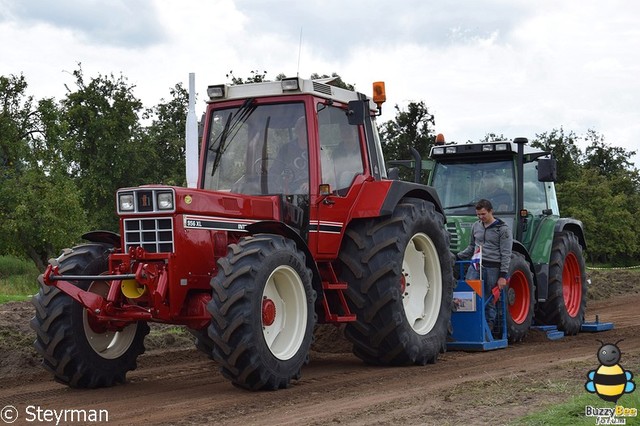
point(453, 234)
point(155, 235)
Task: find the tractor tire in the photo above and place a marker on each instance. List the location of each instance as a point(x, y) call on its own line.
point(202, 341)
point(400, 275)
point(520, 296)
point(74, 346)
point(567, 300)
point(262, 312)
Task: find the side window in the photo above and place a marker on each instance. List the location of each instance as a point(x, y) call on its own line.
point(535, 199)
point(340, 152)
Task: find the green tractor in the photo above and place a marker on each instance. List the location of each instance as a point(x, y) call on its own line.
point(547, 282)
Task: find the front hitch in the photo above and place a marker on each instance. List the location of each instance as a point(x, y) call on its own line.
point(104, 309)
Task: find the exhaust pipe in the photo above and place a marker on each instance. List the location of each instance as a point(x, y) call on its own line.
point(191, 136)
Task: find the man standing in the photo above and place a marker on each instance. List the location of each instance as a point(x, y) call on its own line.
point(495, 239)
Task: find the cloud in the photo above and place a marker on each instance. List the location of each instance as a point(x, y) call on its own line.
point(124, 23)
point(335, 29)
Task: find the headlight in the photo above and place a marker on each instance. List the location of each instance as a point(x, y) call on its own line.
point(165, 201)
point(216, 92)
point(125, 202)
point(451, 149)
point(438, 151)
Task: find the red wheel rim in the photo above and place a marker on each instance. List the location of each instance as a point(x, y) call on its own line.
point(572, 284)
point(268, 312)
point(519, 308)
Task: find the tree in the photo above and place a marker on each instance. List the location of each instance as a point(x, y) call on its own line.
point(40, 211)
point(105, 146)
point(167, 135)
point(610, 227)
point(409, 129)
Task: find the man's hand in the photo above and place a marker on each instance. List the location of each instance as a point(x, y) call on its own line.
point(502, 283)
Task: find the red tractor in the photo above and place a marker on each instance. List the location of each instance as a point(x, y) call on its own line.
point(294, 222)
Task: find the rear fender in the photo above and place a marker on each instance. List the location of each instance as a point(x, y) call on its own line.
point(573, 225)
point(400, 189)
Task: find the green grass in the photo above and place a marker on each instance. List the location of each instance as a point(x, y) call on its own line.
point(573, 412)
point(17, 279)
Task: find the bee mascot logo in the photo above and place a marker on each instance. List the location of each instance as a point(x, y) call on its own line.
point(610, 381)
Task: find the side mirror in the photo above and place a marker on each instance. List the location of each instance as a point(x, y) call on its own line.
point(356, 112)
point(547, 170)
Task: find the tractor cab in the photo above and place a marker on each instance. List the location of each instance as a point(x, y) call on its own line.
point(464, 174)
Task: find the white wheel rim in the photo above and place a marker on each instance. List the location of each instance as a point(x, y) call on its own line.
point(286, 330)
point(108, 344)
point(423, 283)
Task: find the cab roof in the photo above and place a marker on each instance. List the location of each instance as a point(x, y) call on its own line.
point(287, 86)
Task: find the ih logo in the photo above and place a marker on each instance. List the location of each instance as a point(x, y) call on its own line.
point(610, 381)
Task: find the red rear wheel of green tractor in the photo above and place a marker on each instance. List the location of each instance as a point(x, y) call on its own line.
point(399, 271)
point(262, 311)
point(76, 347)
point(520, 298)
point(567, 299)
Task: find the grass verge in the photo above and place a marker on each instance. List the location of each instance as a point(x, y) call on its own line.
point(17, 279)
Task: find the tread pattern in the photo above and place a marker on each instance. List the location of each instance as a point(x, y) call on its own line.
point(58, 323)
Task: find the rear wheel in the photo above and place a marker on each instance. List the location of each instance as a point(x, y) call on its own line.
point(567, 299)
point(78, 349)
point(399, 271)
point(262, 312)
point(520, 298)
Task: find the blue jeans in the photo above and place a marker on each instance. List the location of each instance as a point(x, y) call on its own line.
point(490, 277)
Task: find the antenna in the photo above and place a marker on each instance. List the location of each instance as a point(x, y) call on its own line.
point(299, 53)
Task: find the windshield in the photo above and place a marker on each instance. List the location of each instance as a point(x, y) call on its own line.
point(461, 185)
point(258, 150)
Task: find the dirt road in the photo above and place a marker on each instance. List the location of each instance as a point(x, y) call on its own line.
point(182, 386)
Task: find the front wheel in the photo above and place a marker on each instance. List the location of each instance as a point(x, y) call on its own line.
point(262, 312)
point(399, 271)
point(567, 299)
point(79, 350)
point(520, 298)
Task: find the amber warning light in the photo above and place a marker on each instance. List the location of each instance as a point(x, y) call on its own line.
point(379, 94)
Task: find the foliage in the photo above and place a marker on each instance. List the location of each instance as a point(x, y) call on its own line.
point(40, 208)
point(410, 129)
point(254, 77)
point(104, 147)
point(610, 228)
point(167, 133)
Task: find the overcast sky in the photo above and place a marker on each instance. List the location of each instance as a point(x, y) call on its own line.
point(517, 68)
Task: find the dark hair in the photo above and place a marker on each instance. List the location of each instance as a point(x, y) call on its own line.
point(484, 204)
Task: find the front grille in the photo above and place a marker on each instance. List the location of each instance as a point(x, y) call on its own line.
point(155, 235)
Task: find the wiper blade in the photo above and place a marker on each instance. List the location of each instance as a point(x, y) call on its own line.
point(232, 127)
point(471, 204)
